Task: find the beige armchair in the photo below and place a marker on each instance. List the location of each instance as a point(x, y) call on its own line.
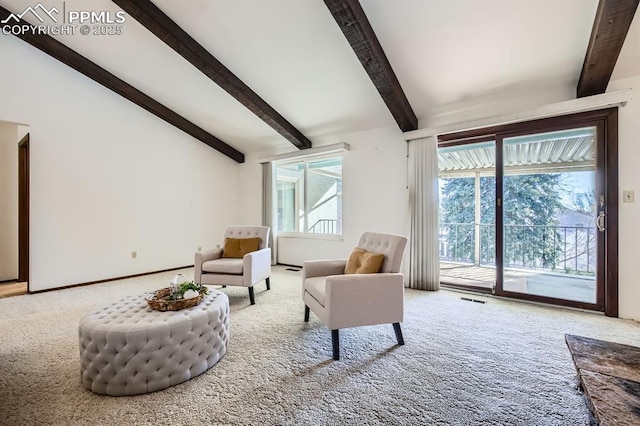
point(351, 300)
point(212, 268)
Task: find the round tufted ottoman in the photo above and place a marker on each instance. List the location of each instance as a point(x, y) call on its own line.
point(128, 348)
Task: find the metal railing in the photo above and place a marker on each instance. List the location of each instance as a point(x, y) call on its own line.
point(570, 249)
point(324, 226)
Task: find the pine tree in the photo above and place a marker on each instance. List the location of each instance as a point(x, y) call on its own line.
point(531, 203)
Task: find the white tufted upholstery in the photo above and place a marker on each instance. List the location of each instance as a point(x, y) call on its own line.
point(261, 232)
point(128, 348)
point(352, 300)
point(211, 268)
point(392, 246)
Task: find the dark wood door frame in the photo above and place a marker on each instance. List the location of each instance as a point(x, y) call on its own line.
point(23, 210)
point(606, 121)
point(611, 193)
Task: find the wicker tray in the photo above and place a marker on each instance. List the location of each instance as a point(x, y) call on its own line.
point(158, 301)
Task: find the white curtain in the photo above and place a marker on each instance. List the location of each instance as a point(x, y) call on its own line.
point(424, 259)
point(269, 217)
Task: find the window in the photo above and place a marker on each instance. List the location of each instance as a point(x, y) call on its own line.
point(309, 195)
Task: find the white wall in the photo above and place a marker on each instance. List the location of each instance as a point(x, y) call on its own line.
point(249, 197)
point(375, 195)
point(505, 101)
point(629, 213)
point(8, 201)
point(108, 177)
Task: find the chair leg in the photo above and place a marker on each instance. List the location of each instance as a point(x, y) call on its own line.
point(252, 297)
point(268, 283)
point(335, 339)
point(396, 328)
point(306, 313)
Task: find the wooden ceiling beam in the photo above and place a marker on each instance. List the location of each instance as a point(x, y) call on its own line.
point(356, 28)
point(64, 54)
point(610, 27)
point(156, 21)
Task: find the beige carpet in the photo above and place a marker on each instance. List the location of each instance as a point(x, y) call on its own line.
point(464, 363)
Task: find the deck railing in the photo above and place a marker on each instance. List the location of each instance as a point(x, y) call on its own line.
point(570, 249)
point(323, 226)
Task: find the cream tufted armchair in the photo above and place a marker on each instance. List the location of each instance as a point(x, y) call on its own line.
point(351, 300)
point(212, 268)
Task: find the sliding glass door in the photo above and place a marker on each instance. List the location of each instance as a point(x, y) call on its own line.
point(529, 211)
point(549, 207)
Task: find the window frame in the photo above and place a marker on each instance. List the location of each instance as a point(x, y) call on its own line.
point(304, 190)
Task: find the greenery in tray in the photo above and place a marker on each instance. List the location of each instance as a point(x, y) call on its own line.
point(185, 287)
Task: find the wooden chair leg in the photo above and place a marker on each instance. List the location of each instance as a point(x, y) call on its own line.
point(306, 313)
point(335, 339)
point(396, 328)
point(268, 283)
point(252, 298)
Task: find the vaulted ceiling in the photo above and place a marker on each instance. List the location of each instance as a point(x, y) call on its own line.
point(453, 59)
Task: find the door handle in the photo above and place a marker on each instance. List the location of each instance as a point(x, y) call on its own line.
point(600, 222)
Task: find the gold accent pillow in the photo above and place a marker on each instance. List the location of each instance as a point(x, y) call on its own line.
point(364, 262)
point(238, 247)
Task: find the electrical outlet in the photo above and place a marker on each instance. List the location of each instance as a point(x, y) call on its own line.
point(134, 254)
point(218, 246)
point(628, 196)
point(199, 248)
